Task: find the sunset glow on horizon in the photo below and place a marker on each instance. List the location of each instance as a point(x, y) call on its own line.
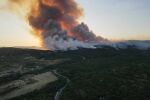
point(111, 19)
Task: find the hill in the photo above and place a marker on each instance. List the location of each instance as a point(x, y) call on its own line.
point(95, 74)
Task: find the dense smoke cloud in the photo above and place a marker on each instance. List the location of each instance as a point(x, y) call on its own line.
point(54, 38)
point(55, 23)
point(145, 44)
point(65, 12)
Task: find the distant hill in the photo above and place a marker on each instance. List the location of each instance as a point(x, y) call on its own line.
point(29, 47)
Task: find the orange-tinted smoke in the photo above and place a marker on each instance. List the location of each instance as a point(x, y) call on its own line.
point(65, 12)
point(39, 12)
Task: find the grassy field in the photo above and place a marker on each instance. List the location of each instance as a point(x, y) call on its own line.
point(95, 74)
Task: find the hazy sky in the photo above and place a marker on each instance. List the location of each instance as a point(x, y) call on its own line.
point(113, 19)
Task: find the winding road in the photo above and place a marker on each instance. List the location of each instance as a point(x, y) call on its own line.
point(60, 91)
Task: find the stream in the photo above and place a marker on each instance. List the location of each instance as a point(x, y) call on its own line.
point(60, 91)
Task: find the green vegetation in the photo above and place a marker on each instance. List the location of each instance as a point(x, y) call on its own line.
point(107, 73)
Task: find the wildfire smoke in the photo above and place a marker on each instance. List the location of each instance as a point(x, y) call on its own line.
point(55, 23)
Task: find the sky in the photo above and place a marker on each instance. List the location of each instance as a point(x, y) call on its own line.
point(112, 19)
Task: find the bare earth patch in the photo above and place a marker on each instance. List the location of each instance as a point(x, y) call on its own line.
point(28, 84)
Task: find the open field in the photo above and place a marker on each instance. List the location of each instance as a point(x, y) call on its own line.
point(26, 85)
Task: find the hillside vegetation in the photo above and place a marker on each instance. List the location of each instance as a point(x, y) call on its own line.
point(95, 74)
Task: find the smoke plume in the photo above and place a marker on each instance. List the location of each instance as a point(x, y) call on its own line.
point(55, 23)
